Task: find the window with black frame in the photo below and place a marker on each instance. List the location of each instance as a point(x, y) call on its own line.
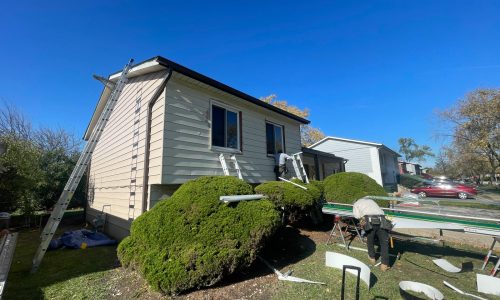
point(225, 128)
point(275, 138)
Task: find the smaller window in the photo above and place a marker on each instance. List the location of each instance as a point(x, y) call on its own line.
point(225, 128)
point(274, 138)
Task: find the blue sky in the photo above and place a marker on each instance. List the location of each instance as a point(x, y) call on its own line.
point(373, 71)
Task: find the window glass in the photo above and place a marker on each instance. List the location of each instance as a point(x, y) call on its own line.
point(232, 129)
point(278, 138)
point(218, 126)
point(274, 139)
point(225, 128)
point(270, 138)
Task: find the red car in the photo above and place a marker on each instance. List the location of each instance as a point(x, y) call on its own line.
point(432, 189)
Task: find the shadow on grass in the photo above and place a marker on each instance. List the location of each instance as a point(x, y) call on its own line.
point(287, 246)
point(57, 266)
point(437, 251)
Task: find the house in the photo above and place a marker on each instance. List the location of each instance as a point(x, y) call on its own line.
point(169, 125)
point(373, 159)
point(409, 168)
point(319, 165)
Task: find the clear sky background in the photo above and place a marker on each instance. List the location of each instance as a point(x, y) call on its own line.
point(374, 70)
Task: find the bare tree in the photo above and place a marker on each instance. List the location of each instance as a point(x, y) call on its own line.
point(474, 126)
point(308, 134)
point(13, 123)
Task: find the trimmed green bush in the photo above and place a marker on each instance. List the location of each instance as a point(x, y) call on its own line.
point(320, 187)
point(287, 195)
point(348, 187)
point(409, 181)
point(192, 239)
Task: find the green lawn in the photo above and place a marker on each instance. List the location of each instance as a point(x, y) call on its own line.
point(63, 274)
point(415, 265)
point(490, 189)
point(471, 205)
point(85, 274)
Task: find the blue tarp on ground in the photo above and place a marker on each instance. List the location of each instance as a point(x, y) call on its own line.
point(82, 238)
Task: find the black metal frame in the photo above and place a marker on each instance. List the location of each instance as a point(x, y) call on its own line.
point(344, 268)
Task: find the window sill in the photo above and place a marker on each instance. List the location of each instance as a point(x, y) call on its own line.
point(225, 150)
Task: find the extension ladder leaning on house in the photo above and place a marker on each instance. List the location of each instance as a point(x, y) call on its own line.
point(81, 166)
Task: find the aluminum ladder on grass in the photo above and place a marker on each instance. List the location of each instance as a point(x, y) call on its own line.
point(81, 165)
point(7, 248)
point(225, 169)
point(298, 167)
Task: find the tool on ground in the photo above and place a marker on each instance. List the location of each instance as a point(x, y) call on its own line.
point(81, 165)
point(350, 226)
point(236, 166)
point(487, 258)
point(358, 269)
point(298, 167)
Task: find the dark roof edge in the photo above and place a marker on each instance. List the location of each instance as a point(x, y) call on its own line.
point(219, 85)
point(318, 152)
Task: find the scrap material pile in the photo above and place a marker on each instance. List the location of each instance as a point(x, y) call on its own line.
point(407, 218)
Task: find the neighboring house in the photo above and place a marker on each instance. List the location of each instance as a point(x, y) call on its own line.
point(373, 159)
point(169, 125)
point(409, 168)
point(320, 165)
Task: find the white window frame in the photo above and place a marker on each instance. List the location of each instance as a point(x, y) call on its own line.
point(239, 130)
point(282, 135)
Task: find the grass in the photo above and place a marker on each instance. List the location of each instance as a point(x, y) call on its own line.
point(89, 273)
point(490, 189)
point(471, 205)
point(63, 274)
point(415, 265)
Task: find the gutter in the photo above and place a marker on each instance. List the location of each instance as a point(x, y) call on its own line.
point(151, 103)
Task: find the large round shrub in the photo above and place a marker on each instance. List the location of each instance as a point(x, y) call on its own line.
point(287, 195)
point(192, 239)
point(348, 187)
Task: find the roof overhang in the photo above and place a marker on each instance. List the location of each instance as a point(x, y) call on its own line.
point(321, 153)
point(378, 145)
point(159, 63)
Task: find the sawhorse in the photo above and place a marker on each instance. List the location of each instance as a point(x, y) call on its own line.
point(487, 258)
point(350, 225)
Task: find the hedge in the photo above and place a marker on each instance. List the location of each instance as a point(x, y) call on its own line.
point(348, 187)
point(193, 240)
point(287, 195)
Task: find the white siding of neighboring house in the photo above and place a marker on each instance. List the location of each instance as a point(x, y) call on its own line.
point(411, 169)
point(361, 158)
point(187, 143)
point(110, 169)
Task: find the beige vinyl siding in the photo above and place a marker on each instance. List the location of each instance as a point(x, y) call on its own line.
point(110, 169)
point(187, 145)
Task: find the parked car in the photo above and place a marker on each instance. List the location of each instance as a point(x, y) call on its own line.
point(444, 189)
